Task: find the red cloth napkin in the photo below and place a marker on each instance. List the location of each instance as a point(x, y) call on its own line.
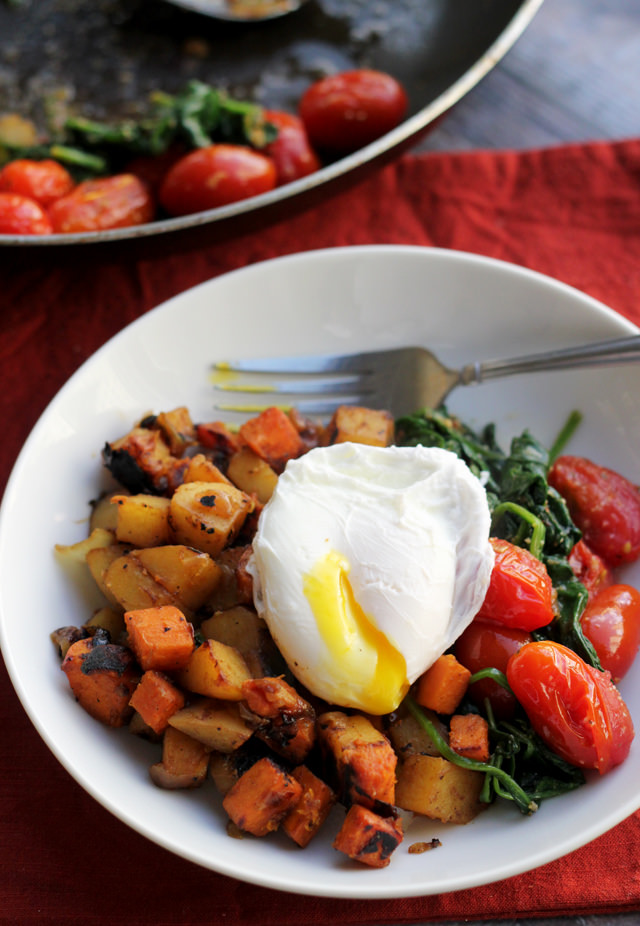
point(571, 212)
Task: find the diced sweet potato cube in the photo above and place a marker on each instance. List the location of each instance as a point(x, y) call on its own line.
point(367, 837)
point(360, 426)
point(307, 816)
point(439, 789)
point(289, 721)
point(216, 724)
point(142, 520)
point(361, 762)
point(184, 763)
point(208, 515)
point(443, 685)
point(252, 474)
point(102, 677)
point(156, 699)
point(261, 798)
point(216, 671)
point(162, 638)
point(217, 436)
point(272, 436)
point(469, 736)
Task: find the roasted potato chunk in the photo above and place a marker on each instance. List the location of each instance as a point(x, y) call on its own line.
point(208, 515)
point(360, 426)
point(184, 764)
point(216, 724)
point(216, 671)
point(252, 474)
point(438, 789)
point(142, 520)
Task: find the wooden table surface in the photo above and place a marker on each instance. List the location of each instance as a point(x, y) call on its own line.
point(574, 75)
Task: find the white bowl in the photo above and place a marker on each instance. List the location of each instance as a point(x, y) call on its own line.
point(464, 307)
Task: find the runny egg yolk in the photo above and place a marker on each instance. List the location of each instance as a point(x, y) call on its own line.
point(360, 652)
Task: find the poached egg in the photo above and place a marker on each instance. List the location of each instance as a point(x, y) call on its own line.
point(368, 563)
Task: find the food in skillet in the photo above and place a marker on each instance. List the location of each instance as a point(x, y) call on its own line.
point(196, 150)
point(214, 537)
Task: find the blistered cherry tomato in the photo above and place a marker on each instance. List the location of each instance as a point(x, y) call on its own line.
point(45, 181)
point(520, 592)
point(483, 645)
point(20, 215)
point(574, 708)
point(603, 504)
point(108, 202)
point(344, 112)
point(611, 621)
point(590, 569)
point(291, 152)
point(215, 176)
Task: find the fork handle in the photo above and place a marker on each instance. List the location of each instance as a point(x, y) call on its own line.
point(619, 350)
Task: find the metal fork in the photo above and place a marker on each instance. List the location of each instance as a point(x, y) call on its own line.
point(400, 380)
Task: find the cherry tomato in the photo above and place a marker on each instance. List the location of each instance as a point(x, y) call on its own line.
point(483, 645)
point(590, 569)
point(346, 111)
point(20, 215)
point(291, 152)
point(45, 181)
point(574, 708)
point(520, 592)
point(611, 621)
point(214, 176)
point(108, 202)
point(603, 504)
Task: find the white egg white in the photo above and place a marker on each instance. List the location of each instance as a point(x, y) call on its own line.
point(413, 525)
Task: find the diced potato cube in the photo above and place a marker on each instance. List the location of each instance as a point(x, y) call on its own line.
point(128, 584)
point(98, 539)
point(439, 789)
point(408, 737)
point(215, 671)
point(189, 576)
point(184, 763)
point(361, 426)
point(216, 724)
point(109, 620)
point(103, 514)
point(208, 515)
point(177, 428)
point(241, 627)
point(142, 520)
point(252, 474)
point(201, 469)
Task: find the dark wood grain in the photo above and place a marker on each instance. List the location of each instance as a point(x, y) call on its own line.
point(574, 75)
